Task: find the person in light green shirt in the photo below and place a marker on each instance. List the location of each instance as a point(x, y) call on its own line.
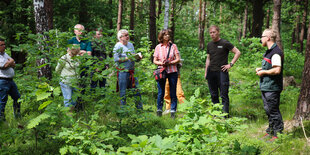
point(67, 68)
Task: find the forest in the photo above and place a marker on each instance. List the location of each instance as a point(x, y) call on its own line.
point(36, 34)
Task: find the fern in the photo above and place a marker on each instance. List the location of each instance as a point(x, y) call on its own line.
point(34, 122)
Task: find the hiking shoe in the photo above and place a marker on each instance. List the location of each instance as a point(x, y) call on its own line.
point(159, 113)
point(265, 136)
point(166, 112)
point(173, 115)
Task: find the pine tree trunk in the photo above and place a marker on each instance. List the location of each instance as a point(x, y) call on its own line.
point(303, 105)
point(276, 27)
point(120, 14)
point(258, 18)
point(172, 28)
point(202, 23)
point(166, 17)
point(41, 20)
point(159, 8)
point(245, 21)
point(132, 19)
point(303, 25)
point(152, 23)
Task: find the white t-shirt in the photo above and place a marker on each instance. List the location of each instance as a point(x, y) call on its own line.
point(276, 60)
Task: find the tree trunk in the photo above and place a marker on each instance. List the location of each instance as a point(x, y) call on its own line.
point(297, 32)
point(132, 19)
point(172, 19)
point(245, 21)
point(268, 18)
point(166, 17)
point(303, 25)
point(41, 20)
point(276, 27)
point(303, 105)
point(120, 13)
point(50, 13)
point(159, 8)
point(152, 23)
point(202, 23)
point(258, 18)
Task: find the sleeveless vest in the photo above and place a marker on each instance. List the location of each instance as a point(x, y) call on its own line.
point(272, 82)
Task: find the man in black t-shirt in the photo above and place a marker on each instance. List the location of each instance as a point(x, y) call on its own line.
point(217, 66)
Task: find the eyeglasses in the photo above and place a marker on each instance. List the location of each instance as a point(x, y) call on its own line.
point(126, 35)
point(264, 36)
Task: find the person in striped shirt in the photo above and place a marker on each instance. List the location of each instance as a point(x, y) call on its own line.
point(169, 62)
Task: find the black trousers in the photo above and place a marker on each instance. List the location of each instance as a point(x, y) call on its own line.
point(271, 105)
point(218, 81)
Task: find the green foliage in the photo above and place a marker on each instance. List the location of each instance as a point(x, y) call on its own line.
point(201, 130)
point(86, 138)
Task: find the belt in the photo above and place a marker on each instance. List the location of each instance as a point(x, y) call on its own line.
point(3, 78)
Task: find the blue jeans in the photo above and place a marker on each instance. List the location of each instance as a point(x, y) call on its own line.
point(173, 79)
point(7, 87)
point(124, 82)
point(219, 81)
point(68, 92)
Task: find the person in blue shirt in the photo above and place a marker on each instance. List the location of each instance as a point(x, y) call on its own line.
point(125, 57)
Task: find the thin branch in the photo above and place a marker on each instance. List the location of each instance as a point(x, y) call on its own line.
point(303, 129)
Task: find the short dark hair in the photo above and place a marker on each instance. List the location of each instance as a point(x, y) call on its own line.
point(1, 39)
point(162, 33)
point(214, 26)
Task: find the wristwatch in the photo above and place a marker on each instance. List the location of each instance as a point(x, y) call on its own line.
point(231, 64)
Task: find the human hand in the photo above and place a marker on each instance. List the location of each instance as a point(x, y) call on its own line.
point(225, 68)
point(258, 69)
point(11, 62)
point(260, 72)
point(82, 52)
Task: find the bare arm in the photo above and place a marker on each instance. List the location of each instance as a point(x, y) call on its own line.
point(176, 60)
point(275, 70)
point(233, 61)
point(157, 62)
point(9, 63)
point(207, 64)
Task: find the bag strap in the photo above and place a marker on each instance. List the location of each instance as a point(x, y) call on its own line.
point(169, 50)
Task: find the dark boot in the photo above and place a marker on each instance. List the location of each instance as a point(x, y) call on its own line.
point(159, 113)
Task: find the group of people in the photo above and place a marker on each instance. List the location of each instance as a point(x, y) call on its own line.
point(167, 57)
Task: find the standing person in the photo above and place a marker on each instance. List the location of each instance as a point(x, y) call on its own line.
point(67, 68)
point(7, 85)
point(169, 62)
point(217, 67)
point(125, 57)
point(100, 54)
point(271, 82)
point(180, 93)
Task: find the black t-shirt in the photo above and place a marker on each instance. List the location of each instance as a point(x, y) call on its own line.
point(218, 52)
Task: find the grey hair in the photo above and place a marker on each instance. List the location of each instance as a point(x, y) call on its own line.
point(120, 33)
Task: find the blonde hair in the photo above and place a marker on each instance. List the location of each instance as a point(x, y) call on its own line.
point(270, 33)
